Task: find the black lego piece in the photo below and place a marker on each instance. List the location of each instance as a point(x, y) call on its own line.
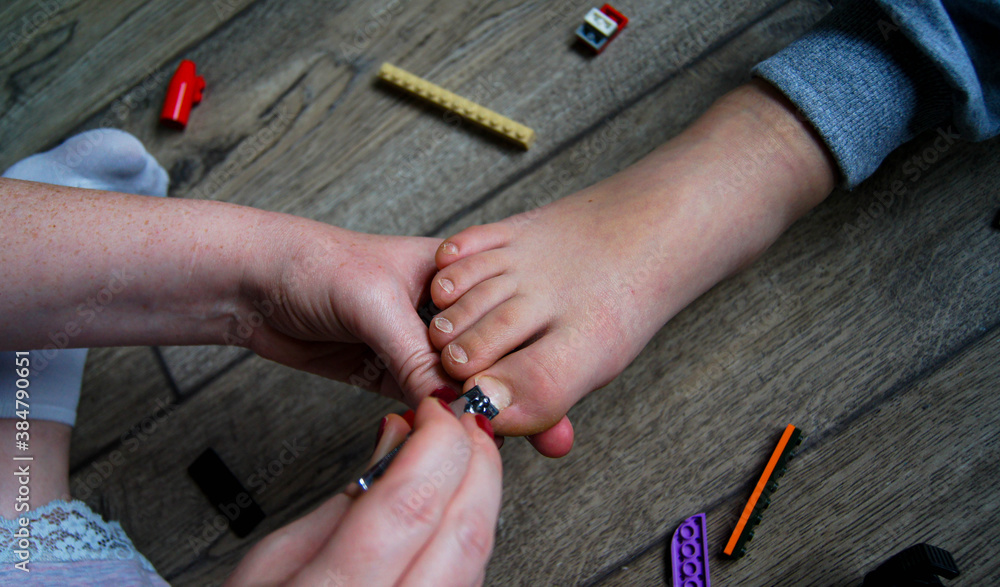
point(918, 566)
point(226, 493)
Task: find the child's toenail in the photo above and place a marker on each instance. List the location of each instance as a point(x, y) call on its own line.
point(443, 324)
point(458, 354)
point(447, 285)
point(494, 389)
point(449, 248)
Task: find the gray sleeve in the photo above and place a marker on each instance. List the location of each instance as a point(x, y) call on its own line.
point(872, 75)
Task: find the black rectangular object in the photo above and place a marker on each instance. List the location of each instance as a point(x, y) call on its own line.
point(226, 493)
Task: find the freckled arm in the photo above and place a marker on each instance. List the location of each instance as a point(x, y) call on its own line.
point(84, 268)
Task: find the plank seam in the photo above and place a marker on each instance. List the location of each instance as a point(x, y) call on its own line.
point(171, 383)
point(180, 401)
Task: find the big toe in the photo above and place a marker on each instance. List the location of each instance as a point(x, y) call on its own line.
point(535, 386)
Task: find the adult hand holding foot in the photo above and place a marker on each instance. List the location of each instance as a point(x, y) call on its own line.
point(94, 268)
point(99, 268)
point(405, 529)
point(544, 307)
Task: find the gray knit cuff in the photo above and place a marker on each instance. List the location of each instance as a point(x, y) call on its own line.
point(863, 85)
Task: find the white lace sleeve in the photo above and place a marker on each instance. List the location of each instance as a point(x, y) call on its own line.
point(69, 532)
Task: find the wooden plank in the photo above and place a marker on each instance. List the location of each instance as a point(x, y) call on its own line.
point(193, 366)
point(919, 466)
point(121, 388)
point(68, 61)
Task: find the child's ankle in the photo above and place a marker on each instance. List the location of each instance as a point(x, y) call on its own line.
point(783, 157)
point(756, 167)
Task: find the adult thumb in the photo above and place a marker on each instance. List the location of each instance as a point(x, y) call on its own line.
point(403, 344)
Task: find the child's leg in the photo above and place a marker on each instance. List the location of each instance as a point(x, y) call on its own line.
point(48, 480)
point(99, 159)
point(543, 307)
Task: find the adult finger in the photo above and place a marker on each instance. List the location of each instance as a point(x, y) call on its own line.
point(403, 346)
point(281, 554)
point(458, 552)
point(388, 525)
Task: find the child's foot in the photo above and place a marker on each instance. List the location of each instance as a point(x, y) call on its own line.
point(541, 308)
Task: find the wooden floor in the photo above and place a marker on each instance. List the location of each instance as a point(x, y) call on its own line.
point(880, 342)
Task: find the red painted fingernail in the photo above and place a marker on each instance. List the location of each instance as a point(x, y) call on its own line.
point(484, 423)
point(445, 393)
point(381, 429)
point(409, 415)
point(499, 442)
point(444, 404)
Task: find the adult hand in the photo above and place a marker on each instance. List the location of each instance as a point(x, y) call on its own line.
point(343, 305)
point(429, 520)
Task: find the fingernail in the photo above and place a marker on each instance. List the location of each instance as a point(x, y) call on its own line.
point(449, 248)
point(443, 324)
point(445, 393)
point(458, 354)
point(494, 389)
point(484, 423)
point(381, 429)
point(447, 285)
point(498, 440)
point(409, 416)
point(445, 405)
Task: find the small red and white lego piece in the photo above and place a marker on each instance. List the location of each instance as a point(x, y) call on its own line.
point(600, 27)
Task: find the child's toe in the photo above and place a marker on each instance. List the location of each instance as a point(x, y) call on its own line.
point(499, 332)
point(452, 282)
point(470, 308)
point(535, 386)
point(471, 241)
